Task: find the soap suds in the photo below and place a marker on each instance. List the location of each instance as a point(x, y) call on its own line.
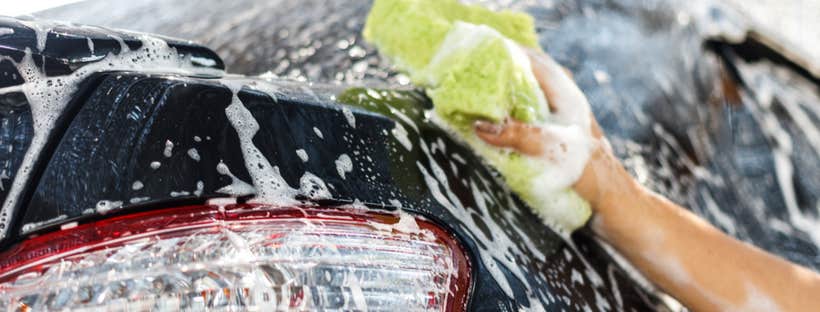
point(28, 227)
point(757, 301)
point(179, 194)
point(155, 165)
point(169, 149)
point(90, 44)
point(104, 206)
point(313, 187)
point(237, 186)
point(351, 119)
point(400, 134)
point(200, 187)
point(318, 133)
point(271, 188)
point(302, 155)
point(194, 154)
point(344, 165)
point(136, 200)
point(47, 96)
point(137, 185)
point(577, 277)
point(221, 202)
point(68, 226)
point(616, 290)
point(407, 224)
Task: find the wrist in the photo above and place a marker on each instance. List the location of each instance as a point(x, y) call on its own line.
point(606, 184)
point(624, 193)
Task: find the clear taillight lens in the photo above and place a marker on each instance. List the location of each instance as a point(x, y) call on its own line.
point(241, 258)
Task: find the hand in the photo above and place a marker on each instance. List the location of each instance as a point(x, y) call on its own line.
point(691, 260)
point(603, 177)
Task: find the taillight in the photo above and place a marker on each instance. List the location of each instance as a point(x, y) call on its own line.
point(240, 258)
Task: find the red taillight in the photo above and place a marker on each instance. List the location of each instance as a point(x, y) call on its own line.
point(242, 257)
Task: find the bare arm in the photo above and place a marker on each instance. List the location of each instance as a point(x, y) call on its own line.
point(699, 265)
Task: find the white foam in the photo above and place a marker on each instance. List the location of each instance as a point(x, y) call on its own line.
point(200, 187)
point(180, 193)
point(271, 188)
point(237, 186)
point(90, 45)
point(136, 200)
point(766, 88)
point(318, 133)
point(104, 206)
point(69, 225)
point(169, 149)
point(312, 187)
point(221, 202)
point(48, 96)
point(576, 277)
point(302, 155)
point(194, 154)
point(400, 134)
point(344, 165)
point(137, 185)
point(407, 224)
point(28, 227)
point(351, 119)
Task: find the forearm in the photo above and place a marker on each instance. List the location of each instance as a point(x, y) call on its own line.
point(696, 263)
point(687, 257)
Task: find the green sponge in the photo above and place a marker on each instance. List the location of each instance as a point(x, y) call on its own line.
point(479, 74)
point(470, 61)
point(463, 56)
point(411, 31)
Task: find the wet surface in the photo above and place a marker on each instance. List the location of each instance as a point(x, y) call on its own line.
point(746, 160)
point(109, 142)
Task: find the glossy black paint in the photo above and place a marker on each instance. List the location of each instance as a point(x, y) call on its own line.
point(647, 67)
point(112, 140)
point(65, 48)
point(118, 124)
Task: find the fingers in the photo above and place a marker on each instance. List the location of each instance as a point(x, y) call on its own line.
point(543, 74)
point(512, 134)
point(567, 102)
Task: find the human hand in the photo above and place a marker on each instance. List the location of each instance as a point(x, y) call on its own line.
point(603, 178)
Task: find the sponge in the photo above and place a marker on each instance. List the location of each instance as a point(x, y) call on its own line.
point(471, 63)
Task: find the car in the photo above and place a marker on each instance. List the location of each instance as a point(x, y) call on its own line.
point(701, 110)
point(152, 180)
point(712, 108)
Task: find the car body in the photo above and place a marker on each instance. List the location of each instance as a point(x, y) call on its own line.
point(135, 146)
point(687, 122)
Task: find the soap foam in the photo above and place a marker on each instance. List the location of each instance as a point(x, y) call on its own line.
point(343, 165)
point(271, 188)
point(237, 186)
point(48, 96)
point(194, 154)
point(302, 155)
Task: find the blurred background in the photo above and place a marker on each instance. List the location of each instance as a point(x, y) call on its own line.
point(714, 104)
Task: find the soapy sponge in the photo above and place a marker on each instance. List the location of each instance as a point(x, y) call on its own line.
point(478, 73)
point(471, 63)
point(411, 31)
point(466, 56)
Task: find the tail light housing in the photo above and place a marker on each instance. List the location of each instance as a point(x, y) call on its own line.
point(240, 257)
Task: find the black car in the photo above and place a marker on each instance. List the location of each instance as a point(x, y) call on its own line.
point(138, 175)
point(151, 180)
